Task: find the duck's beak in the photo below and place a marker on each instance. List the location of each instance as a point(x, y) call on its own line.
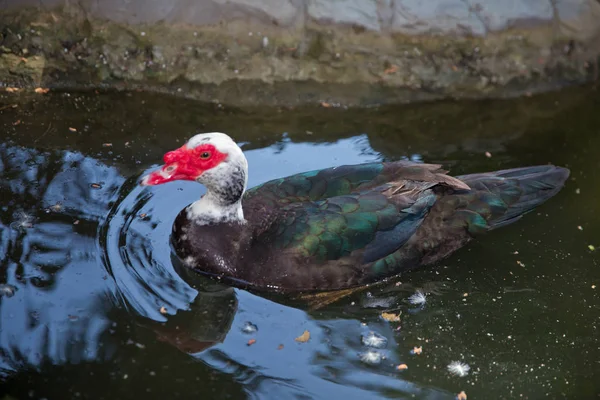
point(167, 173)
point(176, 167)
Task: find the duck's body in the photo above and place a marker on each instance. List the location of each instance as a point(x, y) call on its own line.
point(340, 227)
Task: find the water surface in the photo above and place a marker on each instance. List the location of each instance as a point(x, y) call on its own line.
point(95, 306)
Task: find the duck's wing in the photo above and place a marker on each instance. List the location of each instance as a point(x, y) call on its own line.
point(367, 225)
point(332, 243)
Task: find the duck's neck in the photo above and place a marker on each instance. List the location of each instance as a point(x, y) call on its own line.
point(222, 202)
point(210, 210)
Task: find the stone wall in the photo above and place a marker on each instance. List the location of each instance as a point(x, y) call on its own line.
point(296, 51)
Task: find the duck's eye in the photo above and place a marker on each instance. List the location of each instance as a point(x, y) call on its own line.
point(170, 168)
point(205, 155)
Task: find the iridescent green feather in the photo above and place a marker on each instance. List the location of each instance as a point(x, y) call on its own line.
point(339, 225)
point(318, 184)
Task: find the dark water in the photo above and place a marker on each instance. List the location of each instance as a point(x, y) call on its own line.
point(85, 264)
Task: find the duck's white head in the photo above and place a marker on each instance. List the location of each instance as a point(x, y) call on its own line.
point(214, 160)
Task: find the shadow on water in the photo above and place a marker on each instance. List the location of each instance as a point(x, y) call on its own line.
point(92, 303)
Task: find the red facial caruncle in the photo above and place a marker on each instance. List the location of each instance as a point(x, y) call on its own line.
point(186, 164)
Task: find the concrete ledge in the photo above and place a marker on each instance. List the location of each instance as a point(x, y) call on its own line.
point(296, 51)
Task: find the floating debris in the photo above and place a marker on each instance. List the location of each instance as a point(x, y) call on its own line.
point(251, 342)
point(418, 298)
point(9, 106)
point(374, 339)
point(163, 310)
point(520, 263)
point(7, 290)
point(417, 350)
point(280, 347)
point(72, 129)
point(461, 396)
point(303, 338)
point(377, 302)
point(249, 327)
point(391, 70)
point(402, 367)
point(106, 144)
point(458, 368)
point(96, 186)
point(371, 357)
point(580, 227)
point(325, 104)
point(40, 90)
point(136, 344)
point(593, 286)
point(391, 317)
point(12, 89)
point(22, 221)
point(488, 154)
point(58, 207)
point(591, 247)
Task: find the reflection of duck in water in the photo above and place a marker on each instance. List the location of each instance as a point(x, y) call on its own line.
point(206, 323)
point(336, 228)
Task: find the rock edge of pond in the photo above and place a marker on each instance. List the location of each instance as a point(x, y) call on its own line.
point(240, 56)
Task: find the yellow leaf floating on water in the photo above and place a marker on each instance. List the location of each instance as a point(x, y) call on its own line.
point(304, 337)
point(390, 317)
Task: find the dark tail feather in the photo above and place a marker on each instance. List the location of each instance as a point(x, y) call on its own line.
point(521, 189)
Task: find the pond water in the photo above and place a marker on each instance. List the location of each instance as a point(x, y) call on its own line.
point(93, 304)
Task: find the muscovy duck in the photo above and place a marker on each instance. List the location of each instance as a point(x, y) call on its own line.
point(340, 227)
